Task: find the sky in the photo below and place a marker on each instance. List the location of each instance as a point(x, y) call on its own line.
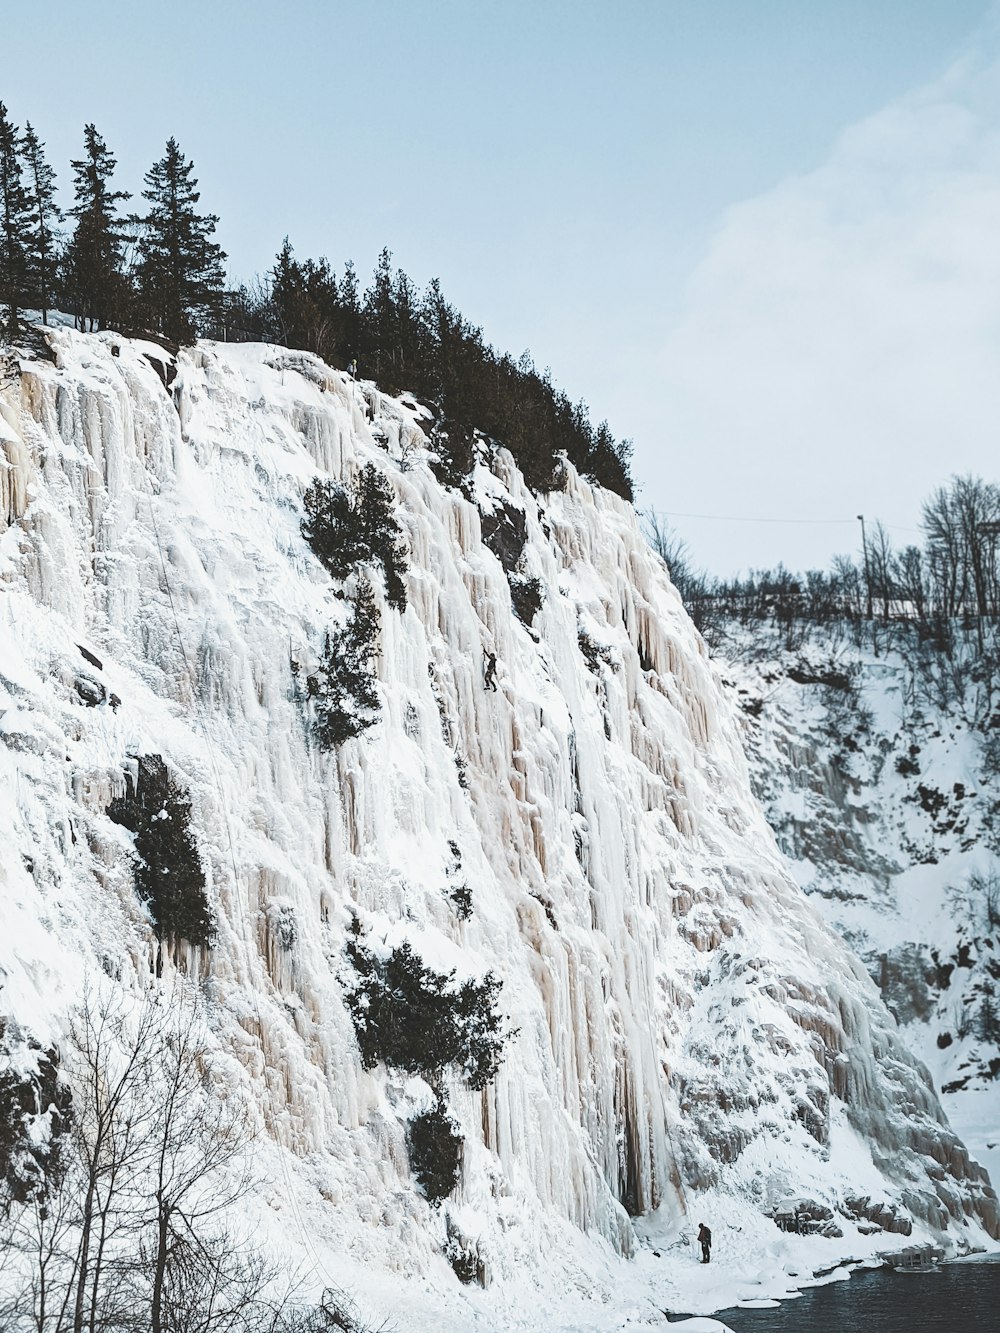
point(760, 237)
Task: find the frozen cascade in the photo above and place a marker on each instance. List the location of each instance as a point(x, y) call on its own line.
point(680, 1007)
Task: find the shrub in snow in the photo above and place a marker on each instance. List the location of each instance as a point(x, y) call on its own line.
point(420, 1021)
point(343, 686)
point(594, 653)
point(461, 896)
point(328, 526)
point(169, 876)
point(464, 1257)
point(526, 596)
point(350, 528)
point(435, 1148)
point(459, 891)
point(35, 1114)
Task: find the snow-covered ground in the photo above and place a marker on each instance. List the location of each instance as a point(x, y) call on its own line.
point(692, 1040)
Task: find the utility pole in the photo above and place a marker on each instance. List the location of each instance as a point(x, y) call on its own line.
point(868, 576)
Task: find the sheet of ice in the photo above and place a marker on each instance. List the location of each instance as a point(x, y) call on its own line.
point(692, 1040)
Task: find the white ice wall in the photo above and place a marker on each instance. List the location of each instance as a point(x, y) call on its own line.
point(683, 1014)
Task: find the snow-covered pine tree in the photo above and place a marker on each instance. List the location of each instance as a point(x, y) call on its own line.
point(344, 687)
point(43, 219)
point(169, 875)
point(14, 224)
point(180, 266)
point(95, 281)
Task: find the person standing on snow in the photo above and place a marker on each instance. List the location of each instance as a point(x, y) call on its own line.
point(705, 1240)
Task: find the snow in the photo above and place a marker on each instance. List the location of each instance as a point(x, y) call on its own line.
point(883, 869)
point(692, 1039)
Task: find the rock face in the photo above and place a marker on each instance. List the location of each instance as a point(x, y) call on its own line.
point(883, 788)
point(683, 1019)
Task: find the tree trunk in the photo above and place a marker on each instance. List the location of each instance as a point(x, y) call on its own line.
point(159, 1272)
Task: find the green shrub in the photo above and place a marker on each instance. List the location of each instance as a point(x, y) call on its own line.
point(435, 1148)
point(329, 527)
point(526, 596)
point(343, 686)
point(349, 529)
point(169, 876)
point(463, 1257)
point(412, 1018)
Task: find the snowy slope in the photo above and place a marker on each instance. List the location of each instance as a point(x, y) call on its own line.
point(691, 1038)
point(884, 799)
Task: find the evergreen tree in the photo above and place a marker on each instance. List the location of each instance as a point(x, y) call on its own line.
point(330, 527)
point(44, 215)
point(169, 875)
point(350, 313)
point(344, 686)
point(14, 224)
point(379, 532)
point(95, 279)
point(435, 1145)
point(350, 529)
point(380, 322)
point(304, 302)
point(180, 266)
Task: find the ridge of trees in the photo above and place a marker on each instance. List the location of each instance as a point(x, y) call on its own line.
point(161, 271)
point(950, 580)
point(939, 599)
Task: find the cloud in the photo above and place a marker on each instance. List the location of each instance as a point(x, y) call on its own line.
point(839, 346)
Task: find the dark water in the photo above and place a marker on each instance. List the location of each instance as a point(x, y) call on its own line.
point(954, 1298)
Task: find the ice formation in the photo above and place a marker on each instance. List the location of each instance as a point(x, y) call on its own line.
point(690, 1034)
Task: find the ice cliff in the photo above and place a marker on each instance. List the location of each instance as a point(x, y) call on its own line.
point(689, 1033)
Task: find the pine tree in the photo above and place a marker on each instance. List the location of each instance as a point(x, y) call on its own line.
point(350, 313)
point(44, 215)
point(379, 532)
point(95, 278)
point(180, 266)
point(169, 874)
point(347, 701)
point(14, 224)
point(380, 321)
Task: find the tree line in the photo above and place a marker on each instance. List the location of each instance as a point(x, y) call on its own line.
point(946, 588)
point(160, 270)
point(938, 601)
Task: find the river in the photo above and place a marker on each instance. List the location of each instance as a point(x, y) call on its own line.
point(959, 1297)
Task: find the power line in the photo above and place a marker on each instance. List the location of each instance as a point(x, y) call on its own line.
point(748, 518)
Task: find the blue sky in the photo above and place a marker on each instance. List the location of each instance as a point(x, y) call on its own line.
point(754, 235)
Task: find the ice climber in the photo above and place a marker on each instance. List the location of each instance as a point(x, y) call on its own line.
point(705, 1240)
point(352, 369)
point(490, 671)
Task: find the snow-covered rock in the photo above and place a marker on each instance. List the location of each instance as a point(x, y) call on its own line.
point(691, 1038)
point(879, 773)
